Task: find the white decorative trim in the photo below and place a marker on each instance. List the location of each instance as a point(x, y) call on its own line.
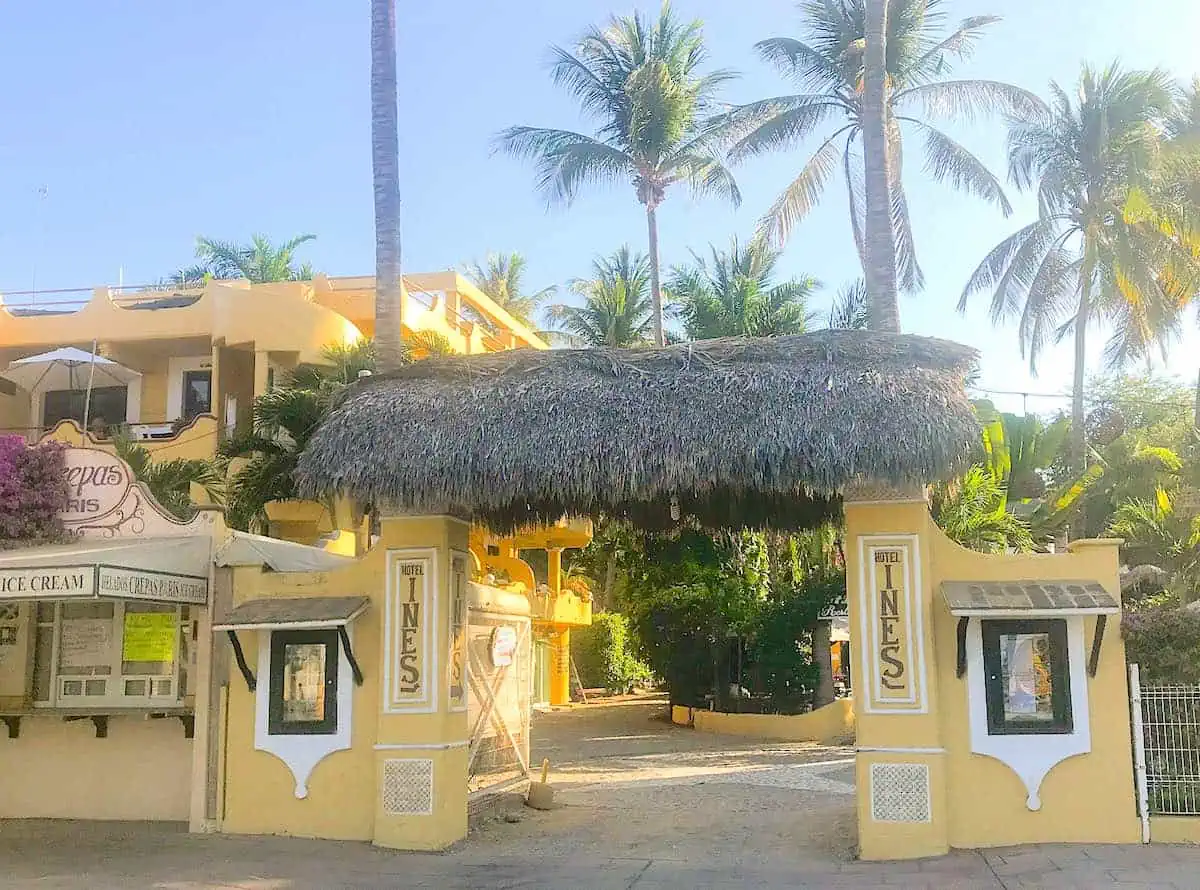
point(431, 679)
point(432, 746)
point(301, 753)
point(868, 749)
point(914, 617)
point(1032, 756)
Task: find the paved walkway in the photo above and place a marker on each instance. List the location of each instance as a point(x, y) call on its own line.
point(648, 806)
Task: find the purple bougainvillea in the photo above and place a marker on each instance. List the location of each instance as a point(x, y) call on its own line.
point(33, 489)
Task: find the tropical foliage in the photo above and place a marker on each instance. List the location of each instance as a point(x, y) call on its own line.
point(826, 64)
point(734, 294)
point(1080, 260)
point(285, 419)
point(617, 310)
point(170, 481)
point(501, 277)
point(641, 81)
point(259, 261)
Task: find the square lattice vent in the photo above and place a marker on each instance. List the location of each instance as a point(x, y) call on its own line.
point(408, 787)
point(900, 792)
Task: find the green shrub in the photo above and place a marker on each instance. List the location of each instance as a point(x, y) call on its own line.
point(1165, 643)
point(604, 656)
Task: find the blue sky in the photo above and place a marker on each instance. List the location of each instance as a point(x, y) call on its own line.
point(147, 123)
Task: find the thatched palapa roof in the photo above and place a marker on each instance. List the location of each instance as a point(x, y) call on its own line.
point(740, 432)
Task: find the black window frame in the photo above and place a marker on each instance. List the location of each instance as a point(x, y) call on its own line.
point(1060, 676)
point(188, 376)
point(280, 639)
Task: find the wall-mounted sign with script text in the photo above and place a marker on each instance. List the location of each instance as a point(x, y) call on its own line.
point(890, 619)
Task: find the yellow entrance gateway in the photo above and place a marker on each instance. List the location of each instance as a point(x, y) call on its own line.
point(355, 697)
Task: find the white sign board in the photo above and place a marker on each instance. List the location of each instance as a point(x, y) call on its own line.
point(160, 587)
point(85, 642)
point(64, 582)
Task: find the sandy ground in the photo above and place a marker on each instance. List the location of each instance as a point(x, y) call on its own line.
point(630, 781)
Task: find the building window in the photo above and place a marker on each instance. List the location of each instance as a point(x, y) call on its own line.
point(106, 411)
point(1027, 678)
point(197, 394)
point(111, 654)
point(304, 678)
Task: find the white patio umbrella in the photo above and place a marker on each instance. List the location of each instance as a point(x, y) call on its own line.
point(71, 369)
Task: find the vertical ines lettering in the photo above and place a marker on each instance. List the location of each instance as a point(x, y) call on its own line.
point(892, 600)
point(410, 627)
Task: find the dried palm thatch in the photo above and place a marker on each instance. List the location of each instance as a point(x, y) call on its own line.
point(738, 432)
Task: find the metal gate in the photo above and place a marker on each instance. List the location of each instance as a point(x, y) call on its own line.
point(1166, 736)
point(499, 674)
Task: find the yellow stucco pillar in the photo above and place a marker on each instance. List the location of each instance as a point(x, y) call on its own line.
point(262, 372)
point(560, 667)
point(421, 749)
point(900, 759)
point(554, 570)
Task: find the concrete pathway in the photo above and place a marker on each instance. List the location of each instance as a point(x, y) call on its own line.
point(648, 806)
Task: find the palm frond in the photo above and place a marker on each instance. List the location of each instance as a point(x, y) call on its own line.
point(566, 161)
point(947, 161)
point(969, 99)
point(802, 195)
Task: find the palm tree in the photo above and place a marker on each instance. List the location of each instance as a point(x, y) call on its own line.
point(1080, 260)
point(500, 277)
point(973, 511)
point(851, 310)
point(171, 481)
point(284, 420)
point(879, 234)
point(385, 172)
point(827, 65)
point(642, 83)
point(286, 417)
point(616, 311)
point(737, 296)
point(259, 261)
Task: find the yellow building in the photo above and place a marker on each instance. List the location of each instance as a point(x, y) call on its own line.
point(198, 358)
point(151, 669)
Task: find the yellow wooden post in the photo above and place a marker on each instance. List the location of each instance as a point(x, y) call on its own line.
point(560, 666)
point(554, 570)
point(421, 747)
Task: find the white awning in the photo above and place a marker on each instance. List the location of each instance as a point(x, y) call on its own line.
point(173, 570)
point(242, 549)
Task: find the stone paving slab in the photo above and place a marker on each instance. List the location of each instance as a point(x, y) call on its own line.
point(87, 856)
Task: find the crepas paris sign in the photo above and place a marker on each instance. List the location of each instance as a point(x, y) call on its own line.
point(97, 483)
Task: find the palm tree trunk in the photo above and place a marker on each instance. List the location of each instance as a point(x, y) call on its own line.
point(880, 236)
point(655, 290)
point(385, 169)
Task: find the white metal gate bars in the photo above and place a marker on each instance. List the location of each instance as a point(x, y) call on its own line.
point(1169, 746)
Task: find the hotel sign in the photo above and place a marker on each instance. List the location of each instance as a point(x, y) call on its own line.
point(409, 660)
point(91, 582)
point(891, 622)
point(457, 659)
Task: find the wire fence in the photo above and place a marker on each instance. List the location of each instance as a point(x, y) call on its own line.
point(1171, 739)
